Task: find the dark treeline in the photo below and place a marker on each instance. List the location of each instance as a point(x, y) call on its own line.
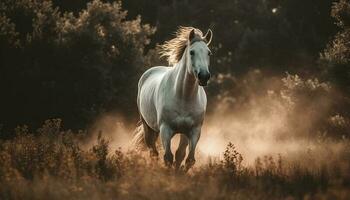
point(78, 59)
point(278, 35)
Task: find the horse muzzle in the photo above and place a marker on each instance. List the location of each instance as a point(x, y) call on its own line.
point(203, 78)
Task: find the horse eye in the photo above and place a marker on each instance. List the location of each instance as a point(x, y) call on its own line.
point(192, 52)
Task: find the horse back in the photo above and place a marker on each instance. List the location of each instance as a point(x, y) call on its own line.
point(152, 75)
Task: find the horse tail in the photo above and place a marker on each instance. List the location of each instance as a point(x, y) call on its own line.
point(138, 140)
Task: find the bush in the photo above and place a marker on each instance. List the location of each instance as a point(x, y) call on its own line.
point(56, 64)
point(335, 59)
point(51, 163)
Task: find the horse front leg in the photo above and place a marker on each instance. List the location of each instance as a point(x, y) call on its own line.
point(181, 151)
point(193, 140)
point(166, 133)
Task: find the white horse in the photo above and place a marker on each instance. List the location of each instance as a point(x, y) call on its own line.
point(172, 99)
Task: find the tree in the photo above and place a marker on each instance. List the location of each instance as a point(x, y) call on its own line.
point(274, 35)
point(337, 54)
point(58, 65)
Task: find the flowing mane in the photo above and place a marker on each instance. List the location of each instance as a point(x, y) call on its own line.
point(173, 49)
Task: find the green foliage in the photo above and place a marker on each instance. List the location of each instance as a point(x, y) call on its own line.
point(337, 54)
point(269, 34)
point(335, 60)
point(338, 50)
point(55, 64)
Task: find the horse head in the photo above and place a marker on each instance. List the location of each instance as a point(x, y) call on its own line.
point(199, 56)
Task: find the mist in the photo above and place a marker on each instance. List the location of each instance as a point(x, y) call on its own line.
point(269, 116)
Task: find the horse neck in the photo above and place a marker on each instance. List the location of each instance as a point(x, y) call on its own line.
point(185, 83)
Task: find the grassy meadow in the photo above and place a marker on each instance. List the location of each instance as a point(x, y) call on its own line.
point(51, 163)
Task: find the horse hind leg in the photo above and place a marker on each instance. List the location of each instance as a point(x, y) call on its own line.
point(150, 138)
point(181, 151)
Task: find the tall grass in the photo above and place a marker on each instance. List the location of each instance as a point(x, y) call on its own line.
point(50, 163)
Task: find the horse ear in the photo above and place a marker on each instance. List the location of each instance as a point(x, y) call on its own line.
point(191, 35)
point(208, 36)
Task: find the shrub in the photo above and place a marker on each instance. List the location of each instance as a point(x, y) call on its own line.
point(51, 163)
point(56, 64)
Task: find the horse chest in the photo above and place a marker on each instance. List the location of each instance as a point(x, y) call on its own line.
point(183, 118)
point(183, 121)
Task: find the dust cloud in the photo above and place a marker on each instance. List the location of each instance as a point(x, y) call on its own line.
point(257, 134)
point(264, 124)
point(115, 129)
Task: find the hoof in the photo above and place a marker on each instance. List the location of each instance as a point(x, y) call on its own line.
point(189, 164)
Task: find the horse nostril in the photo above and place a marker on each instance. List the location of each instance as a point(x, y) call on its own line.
point(206, 76)
point(203, 76)
point(209, 75)
point(199, 75)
